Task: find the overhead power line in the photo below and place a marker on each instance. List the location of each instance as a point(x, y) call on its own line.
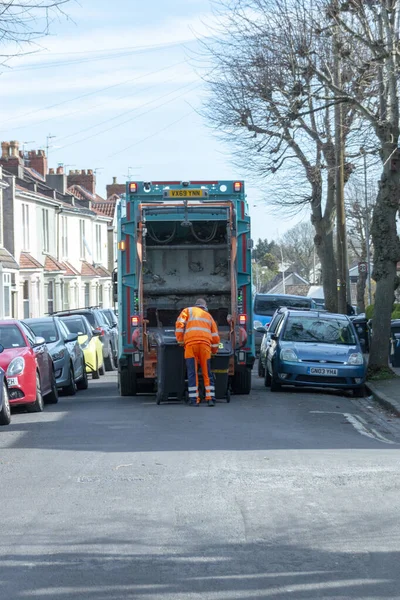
point(98, 90)
point(148, 137)
point(124, 122)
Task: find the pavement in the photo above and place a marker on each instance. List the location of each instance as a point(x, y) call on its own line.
point(387, 392)
point(275, 496)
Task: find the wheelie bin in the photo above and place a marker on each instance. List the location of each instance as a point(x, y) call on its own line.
point(361, 326)
point(170, 367)
point(220, 369)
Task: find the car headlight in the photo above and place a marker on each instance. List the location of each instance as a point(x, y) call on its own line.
point(289, 355)
point(356, 359)
point(16, 366)
point(257, 324)
point(58, 355)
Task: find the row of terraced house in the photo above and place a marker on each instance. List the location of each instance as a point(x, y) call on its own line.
point(57, 237)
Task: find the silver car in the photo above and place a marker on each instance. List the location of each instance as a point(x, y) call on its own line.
point(66, 352)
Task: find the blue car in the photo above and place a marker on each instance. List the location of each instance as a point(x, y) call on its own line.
point(264, 307)
point(315, 349)
point(5, 411)
point(67, 355)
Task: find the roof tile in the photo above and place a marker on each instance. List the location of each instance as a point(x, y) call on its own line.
point(51, 264)
point(26, 261)
point(88, 270)
point(70, 271)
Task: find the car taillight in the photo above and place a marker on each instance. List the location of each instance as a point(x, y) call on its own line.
point(242, 320)
point(135, 321)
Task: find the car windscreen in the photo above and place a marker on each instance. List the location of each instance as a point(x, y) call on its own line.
point(11, 337)
point(299, 328)
point(45, 329)
point(75, 325)
point(268, 306)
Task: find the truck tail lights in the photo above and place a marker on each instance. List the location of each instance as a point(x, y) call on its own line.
point(135, 321)
point(237, 186)
point(242, 320)
point(133, 188)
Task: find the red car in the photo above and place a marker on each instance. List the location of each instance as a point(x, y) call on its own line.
point(28, 367)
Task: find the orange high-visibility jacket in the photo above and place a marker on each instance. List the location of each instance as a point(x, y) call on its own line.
point(195, 325)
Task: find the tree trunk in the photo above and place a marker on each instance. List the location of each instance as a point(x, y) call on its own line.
point(386, 255)
point(361, 285)
point(326, 255)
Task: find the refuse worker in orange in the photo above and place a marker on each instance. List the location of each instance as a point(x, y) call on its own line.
point(197, 331)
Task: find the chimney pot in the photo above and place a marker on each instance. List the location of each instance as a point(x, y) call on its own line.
point(14, 145)
point(51, 171)
point(114, 180)
point(5, 149)
point(60, 170)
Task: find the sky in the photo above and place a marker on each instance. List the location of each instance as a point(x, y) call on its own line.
point(116, 88)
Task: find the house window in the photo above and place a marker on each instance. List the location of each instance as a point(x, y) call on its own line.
point(25, 226)
point(50, 297)
point(45, 221)
point(26, 299)
point(7, 295)
point(87, 295)
point(98, 243)
point(82, 237)
point(64, 237)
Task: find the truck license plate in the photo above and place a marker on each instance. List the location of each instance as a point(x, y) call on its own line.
point(322, 371)
point(186, 193)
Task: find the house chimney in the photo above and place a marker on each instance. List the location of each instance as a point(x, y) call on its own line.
point(85, 179)
point(115, 188)
point(57, 180)
point(38, 161)
point(11, 160)
point(14, 147)
point(60, 170)
point(5, 150)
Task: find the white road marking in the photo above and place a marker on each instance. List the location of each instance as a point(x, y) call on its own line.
point(359, 425)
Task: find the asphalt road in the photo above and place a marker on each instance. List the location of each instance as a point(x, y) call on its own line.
point(289, 495)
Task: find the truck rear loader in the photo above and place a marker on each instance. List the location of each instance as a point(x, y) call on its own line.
point(178, 241)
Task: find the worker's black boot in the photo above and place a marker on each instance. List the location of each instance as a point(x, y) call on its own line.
point(211, 403)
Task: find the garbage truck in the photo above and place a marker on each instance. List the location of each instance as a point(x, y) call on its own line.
point(178, 241)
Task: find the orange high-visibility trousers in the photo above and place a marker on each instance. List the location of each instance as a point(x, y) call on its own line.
point(195, 355)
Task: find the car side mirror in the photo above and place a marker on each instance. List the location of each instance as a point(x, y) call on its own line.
point(261, 329)
point(39, 341)
point(1, 348)
point(71, 337)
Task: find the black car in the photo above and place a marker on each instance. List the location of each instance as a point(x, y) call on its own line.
point(99, 322)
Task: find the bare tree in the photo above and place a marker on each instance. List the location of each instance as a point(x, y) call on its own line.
point(25, 21)
point(374, 27)
point(298, 248)
point(276, 113)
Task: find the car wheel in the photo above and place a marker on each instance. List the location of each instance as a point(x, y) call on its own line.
point(267, 378)
point(96, 372)
point(70, 389)
point(83, 383)
point(276, 386)
point(38, 405)
point(261, 370)
point(52, 397)
point(5, 412)
point(102, 369)
point(109, 361)
point(359, 392)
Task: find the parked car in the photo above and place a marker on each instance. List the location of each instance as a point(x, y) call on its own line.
point(5, 410)
point(315, 349)
point(267, 331)
point(99, 323)
point(89, 340)
point(112, 321)
point(28, 366)
point(265, 305)
point(66, 352)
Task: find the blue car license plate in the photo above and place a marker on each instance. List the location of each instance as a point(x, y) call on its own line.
point(323, 371)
